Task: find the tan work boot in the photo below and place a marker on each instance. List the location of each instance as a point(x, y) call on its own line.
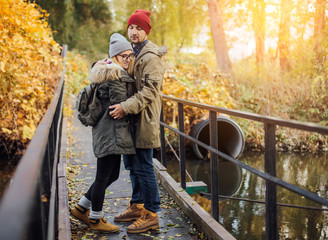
point(133, 212)
point(81, 214)
point(101, 225)
point(147, 221)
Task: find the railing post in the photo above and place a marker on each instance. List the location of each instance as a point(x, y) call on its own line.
point(64, 52)
point(182, 151)
point(162, 133)
point(271, 189)
point(214, 166)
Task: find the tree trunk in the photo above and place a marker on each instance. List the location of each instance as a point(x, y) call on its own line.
point(284, 34)
point(220, 42)
point(259, 30)
point(319, 25)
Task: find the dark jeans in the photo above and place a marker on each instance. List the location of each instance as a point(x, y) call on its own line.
point(143, 179)
point(108, 171)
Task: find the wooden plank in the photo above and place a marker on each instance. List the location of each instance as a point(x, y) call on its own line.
point(64, 224)
point(204, 221)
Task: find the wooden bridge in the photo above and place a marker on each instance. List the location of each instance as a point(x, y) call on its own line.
point(35, 205)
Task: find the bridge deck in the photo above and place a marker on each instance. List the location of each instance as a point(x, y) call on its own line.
point(173, 223)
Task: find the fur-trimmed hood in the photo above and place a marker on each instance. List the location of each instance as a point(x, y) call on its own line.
point(102, 72)
point(162, 51)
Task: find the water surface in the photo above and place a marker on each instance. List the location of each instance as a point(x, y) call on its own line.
point(246, 220)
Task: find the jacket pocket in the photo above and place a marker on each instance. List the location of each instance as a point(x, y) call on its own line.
point(148, 115)
point(123, 135)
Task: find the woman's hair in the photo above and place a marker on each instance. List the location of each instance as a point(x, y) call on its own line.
point(130, 66)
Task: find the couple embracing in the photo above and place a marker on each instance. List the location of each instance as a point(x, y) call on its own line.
point(130, 90)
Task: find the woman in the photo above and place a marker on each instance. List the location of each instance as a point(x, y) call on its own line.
point(110, 138)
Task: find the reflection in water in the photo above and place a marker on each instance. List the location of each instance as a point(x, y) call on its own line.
point(229, 175)
point(246, 220)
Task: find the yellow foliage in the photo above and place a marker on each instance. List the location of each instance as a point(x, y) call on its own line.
point(76, 78)
point(30, 66)
point(77, 73)
point(197, 83)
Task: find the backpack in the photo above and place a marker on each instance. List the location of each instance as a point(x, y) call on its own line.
point(89, 106)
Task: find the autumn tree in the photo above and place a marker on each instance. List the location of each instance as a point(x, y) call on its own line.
point(219, 38)
point(302, 18)
point(319, 27)
point(58, 19)
point(30, 64)
point(84, 25)
point(284, 34)
point(258, 10)
point(175, 23)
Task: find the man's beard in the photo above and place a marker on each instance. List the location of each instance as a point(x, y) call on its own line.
point(134, 39)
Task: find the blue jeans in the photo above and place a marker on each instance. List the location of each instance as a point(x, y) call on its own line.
point(143, 179)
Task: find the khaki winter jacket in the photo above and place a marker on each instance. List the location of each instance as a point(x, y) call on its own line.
point(112, 136)
point(148, 75)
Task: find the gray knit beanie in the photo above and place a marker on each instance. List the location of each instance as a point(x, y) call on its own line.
point(118, 44)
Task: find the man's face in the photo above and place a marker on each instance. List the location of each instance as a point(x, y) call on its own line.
point(136, 34)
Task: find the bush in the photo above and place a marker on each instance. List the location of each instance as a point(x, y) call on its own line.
point(30, 66)
point(195, 82)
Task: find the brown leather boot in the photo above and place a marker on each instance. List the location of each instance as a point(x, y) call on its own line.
point(81, 214)
point(133, 212)
point(147, 221)
point(101, 225)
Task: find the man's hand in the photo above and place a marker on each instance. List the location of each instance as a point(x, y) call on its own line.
point(117, 111)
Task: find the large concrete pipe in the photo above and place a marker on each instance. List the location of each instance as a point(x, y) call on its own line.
point(230, 137)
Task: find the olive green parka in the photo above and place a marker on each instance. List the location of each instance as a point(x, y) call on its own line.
point(147, 102)
point(110, 136)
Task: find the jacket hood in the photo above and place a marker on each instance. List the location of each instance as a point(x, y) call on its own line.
point(102, 72)
point(162, 51)
point(152, 47)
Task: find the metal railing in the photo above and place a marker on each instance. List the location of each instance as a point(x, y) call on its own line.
point(28, 209)
point(269, 175)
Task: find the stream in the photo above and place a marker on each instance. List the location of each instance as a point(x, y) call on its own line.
point(246, 220)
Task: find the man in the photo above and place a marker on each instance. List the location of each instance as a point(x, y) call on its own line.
point(147, 102)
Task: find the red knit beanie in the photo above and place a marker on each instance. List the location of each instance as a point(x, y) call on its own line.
point(141, 18)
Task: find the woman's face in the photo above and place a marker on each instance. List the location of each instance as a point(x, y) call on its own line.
point(124, 58)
